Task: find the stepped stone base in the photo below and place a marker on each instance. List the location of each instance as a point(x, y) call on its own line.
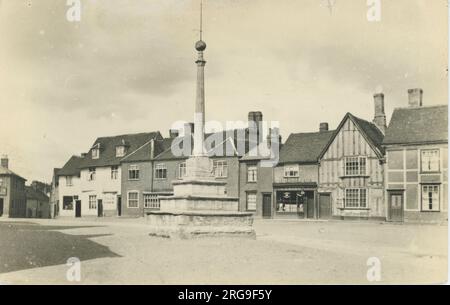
point(199, 207)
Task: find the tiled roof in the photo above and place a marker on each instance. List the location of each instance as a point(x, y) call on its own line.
point(144, 152)
point(369, 130)
point(108, 148)
point(375, 136)
point(72, 167)
point(304, 147)
point(32, 193)
point(8, 172)
point(168, 155)
point(417, 125)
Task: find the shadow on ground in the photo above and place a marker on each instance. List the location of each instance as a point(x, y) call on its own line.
point(25, 245)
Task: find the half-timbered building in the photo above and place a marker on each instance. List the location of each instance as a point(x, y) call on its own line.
point(352, 167)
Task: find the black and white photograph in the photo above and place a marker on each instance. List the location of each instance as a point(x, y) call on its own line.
point(224, 142)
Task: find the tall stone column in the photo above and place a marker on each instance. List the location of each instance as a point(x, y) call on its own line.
point(199, 115)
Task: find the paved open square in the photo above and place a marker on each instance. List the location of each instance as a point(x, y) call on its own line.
point(120, 251)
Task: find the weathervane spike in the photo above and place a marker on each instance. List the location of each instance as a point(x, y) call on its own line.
point(201, 19)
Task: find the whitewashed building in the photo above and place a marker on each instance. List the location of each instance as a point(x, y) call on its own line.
point(90, 185)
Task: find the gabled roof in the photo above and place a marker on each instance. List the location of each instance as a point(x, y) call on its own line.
point(72, 167)
point(418, 125)
point(7, 172)
point(32, 193)
point(304, 147)
point(368, 130)
point(108, 146)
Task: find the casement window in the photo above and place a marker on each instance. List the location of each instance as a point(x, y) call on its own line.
point(181, 170)
point(133, 199)
point(355, 166)
point(69, 181)
point(356, 198)
point(151, 201)
point(160, 171)
point(252, 173)
point(251, 201)
point(133, 172)
point(92, 202)
point(430, 198)
point(120, 151)
point(291, 171)
point(114, 172)
point(91, 175)
point(220, 168)
point(95, 153)
point(430, 160)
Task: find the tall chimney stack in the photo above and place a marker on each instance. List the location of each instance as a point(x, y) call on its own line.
point(415, 97)
point(174, 133)
point(380, 116)
point(323, 127)
point(4, 161)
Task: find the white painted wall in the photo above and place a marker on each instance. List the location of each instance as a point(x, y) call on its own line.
point(103, 187)
point(65, 190)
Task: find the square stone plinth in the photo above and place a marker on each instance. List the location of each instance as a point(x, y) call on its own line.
point(187, 225)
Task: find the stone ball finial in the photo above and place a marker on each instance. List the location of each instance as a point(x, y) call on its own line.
point(200, 45)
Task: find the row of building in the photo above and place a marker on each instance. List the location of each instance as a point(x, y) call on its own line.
point(19, 200)
point(360, 170)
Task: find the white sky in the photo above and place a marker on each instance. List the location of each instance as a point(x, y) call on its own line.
point(128, 66)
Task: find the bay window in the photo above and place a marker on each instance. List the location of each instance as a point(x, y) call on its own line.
point(356, 198)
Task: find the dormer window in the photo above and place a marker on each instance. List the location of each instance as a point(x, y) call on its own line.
point(95, 153)
point(120, 151)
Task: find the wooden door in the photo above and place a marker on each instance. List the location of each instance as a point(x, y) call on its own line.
point(324, 206)
point(267, 206)
point(78, 208)
point(396, 206)
point(100, 208)
point(1, 207)
point(310, 207)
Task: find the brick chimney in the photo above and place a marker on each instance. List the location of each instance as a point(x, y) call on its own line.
point(255, 119)
point(173, 133)
point(188, 127)
point(380, 117)
point(415, 97)
point(323, 127)
point(4, 161)
point(273, 131)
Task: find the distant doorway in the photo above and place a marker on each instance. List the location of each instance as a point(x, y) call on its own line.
point(100, 208)
point(1, 207)
point(396, 206)
point(267, 206)
point(324, 206)
point(78, 208)
point(119, 205)
point(310, 207)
